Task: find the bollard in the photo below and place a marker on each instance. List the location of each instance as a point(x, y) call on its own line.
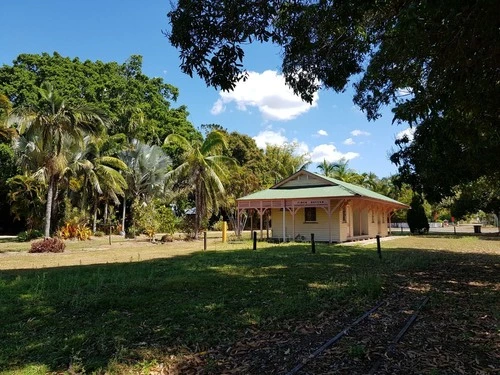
point(454, 229)
point(224, 231)
point(254, 240)
point(313, 244)
point(204, 240)
point(379, 250)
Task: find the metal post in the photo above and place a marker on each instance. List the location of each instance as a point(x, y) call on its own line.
point(313, 244)
point(254, 240)
point(379, 250)
point(204, 240)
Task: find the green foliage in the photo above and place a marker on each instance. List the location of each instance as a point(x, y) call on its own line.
point(53, 126)
point(27, 198)
point(282, 161)
point(434, 62)
point(153, 217)
point(29, 235)
point(139, 106)
point(168, 222)
point(203, 172)
point(48, 245)
point(480, 195)
point(8, 169)
point(416, 218)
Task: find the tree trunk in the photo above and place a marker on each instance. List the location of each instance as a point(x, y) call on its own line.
point(197, 215)
point(123, 214)
point(106, 212)
point(94, 224)
point(48, 208)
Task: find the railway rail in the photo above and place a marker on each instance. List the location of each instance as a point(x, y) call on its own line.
point(390, 347)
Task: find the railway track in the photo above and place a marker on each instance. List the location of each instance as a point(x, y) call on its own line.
point(374, 334)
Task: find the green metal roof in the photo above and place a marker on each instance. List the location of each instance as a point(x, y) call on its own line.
point(337, 189)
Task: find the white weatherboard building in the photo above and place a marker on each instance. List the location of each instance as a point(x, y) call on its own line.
point(335, 211)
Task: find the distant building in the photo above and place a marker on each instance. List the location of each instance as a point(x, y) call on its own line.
point(335, 211)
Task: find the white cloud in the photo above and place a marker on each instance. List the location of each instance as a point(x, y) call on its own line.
point(218, 107)
point(268, 92)
point(357, 133)
point(301, 149)
point(270, 137)
point(322, 132)
point(407, 132)
point(349, 141)
point(330, 153)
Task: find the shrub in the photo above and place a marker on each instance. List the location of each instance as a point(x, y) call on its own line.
point(78, 231)
point(99, 233)
point(217, 226)
point(48, 245)
point(29, 235)
point(417, 220)
point(167, 238)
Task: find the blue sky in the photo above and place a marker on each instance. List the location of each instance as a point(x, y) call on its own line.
point(262, 107)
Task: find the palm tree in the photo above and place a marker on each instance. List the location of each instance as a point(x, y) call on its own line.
point(146, 174)
point(101, 171)
point(370, 181)
point(342, 172)
point(54, 124)
point(202, 171)
point(326, 168)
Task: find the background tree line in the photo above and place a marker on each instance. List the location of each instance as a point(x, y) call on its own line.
point(94, 144)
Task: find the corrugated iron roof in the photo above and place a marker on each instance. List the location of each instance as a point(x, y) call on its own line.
point(335, 189)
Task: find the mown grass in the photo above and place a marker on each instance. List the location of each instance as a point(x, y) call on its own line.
point(108, 317)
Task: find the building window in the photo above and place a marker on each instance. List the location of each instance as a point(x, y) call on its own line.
point(310, 214)
point(344, 214)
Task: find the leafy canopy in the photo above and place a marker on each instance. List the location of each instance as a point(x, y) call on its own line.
point(434, 62)
point(136, 104)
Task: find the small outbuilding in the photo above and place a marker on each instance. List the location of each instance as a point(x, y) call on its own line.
point(335, 211)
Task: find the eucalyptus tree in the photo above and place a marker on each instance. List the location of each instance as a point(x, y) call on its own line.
point(51, 124)
point(203, 171)
point(146, 175)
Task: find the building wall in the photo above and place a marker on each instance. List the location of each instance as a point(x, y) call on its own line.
point(320, 228)
point(340, 231)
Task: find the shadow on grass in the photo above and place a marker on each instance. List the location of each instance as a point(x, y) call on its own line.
point(103, 316)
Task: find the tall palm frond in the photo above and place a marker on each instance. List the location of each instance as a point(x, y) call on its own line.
point(202, 172)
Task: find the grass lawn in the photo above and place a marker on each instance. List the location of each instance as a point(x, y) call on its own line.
point(136, 307)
